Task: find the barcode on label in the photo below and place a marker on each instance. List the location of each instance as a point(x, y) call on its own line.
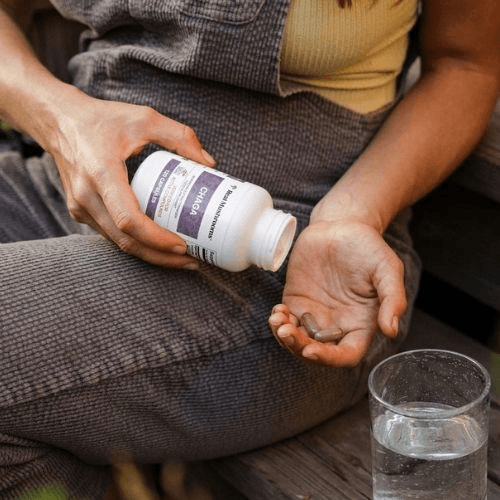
point(200, 253)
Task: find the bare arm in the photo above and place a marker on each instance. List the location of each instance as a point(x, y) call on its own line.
point(90, 151)
point(23, 79)
point(436, 126)
point(341, 270)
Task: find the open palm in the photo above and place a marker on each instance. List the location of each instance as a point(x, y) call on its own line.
point(347, 277)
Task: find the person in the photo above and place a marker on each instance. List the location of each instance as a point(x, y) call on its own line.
point(112, 337)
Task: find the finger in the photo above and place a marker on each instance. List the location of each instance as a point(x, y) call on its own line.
point(161, 259)
point(278, 319)
point(392, 296)
point(178, 138)
point(126, 216)
point(347, 353)
point(98, 218)
point(287, 335)
point(283, 309)
point(281, 332)
point(280, 308)
point(390, 314)
point(294, 337)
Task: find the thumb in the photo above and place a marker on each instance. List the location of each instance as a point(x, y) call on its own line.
point(392, 296)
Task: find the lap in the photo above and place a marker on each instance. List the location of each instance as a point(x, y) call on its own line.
point(32, 201)
point(118, 353)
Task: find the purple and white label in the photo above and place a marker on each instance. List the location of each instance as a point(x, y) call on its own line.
point(159, 186)
point(196, 204)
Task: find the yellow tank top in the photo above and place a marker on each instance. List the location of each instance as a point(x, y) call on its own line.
point(351, 56)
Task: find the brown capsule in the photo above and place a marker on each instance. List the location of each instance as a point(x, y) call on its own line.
point(312, 328)
point(309, 323)
point(329, 335)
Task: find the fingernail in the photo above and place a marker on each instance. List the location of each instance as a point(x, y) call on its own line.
point(395, 324)
point(180, 250)
point(288, 340)
point(192, 266)
point(310, 355)
point(208, 157)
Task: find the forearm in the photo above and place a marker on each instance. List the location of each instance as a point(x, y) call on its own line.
point(30, 96)
point(427, 136)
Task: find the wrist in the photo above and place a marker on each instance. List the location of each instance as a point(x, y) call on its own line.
point(346, 207)
point(58, 110)
point(38, 109)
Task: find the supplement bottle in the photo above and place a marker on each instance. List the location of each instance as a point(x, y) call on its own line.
point(225, 221)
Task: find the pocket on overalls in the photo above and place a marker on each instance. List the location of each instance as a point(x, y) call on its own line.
point(223, 11)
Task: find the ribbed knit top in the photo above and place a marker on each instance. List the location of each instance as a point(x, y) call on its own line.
point(351, 55)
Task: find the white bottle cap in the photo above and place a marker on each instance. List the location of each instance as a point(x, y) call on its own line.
point(272, 239)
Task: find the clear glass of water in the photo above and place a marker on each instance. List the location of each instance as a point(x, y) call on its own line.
point(429, 413)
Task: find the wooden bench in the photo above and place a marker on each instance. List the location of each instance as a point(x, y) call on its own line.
point(456, 229)
point(333, 461)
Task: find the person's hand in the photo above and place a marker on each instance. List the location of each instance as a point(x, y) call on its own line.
point(93, 140)
point(350, 281)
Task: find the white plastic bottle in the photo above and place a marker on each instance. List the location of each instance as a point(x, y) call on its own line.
point(225, 221)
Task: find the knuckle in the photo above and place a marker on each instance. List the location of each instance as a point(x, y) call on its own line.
point(144, 119)
point(80, 192)
point(99, 176)
point(76, 212)
point(404, 303)
point(149, 115)
point(76, 208)
point(188, 134)
point(149, 112)
point(400, 266)
point(126, 244)
point(125, 222)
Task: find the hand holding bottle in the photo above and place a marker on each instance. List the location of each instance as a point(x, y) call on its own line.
point(90, 148)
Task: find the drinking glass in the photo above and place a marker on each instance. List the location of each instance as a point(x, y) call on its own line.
point(429, 412)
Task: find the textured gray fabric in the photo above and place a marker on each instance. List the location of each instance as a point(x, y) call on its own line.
point(101, 351)
point(230, 41)
point(33, 203)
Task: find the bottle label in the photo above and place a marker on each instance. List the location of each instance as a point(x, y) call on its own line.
point(159, 186)
point(190, 199)
point(202, 253)
point(196, 203)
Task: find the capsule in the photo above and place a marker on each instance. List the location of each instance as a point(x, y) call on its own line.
point(326, 335)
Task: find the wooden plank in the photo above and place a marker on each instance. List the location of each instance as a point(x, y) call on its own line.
point(456, 233)
point(481, 170)
point(494, 443)
point(430, 333)
point(333, 460)
point(493, 491)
